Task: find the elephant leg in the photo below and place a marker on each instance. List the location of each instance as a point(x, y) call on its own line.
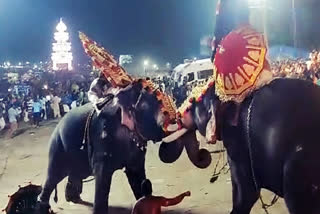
point(80, 171)
point(57, 171)
point(55, 176)
point(302, 184)
point(103, 178)
point(135, 179)
point(244, 193)
point(73, 189)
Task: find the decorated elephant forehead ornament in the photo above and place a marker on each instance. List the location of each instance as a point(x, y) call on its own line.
point(103, 60)
point(196, 95)
point(118, 77)
point(168, 106)
point(240, 64)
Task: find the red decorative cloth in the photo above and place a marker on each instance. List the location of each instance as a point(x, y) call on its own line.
point(238, 63)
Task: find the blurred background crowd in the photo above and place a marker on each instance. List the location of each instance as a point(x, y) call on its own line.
point(299, 68)
point(43, 97)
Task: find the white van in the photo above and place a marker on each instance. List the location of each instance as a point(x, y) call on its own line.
point(193, 72)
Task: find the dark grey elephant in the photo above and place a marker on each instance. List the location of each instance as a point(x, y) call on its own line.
point(274, 145)
point(110, 145)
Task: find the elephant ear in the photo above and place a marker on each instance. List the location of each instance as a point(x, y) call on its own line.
point(129, 95)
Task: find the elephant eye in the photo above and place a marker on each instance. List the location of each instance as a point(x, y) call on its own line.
point(144, 106)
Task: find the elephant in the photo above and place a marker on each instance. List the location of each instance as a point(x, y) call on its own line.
point(111, 144)
point(273, 145)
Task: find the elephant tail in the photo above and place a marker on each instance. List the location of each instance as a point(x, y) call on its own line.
point(55, 194)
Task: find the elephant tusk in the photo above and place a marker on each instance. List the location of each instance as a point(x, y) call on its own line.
point(173, 127)
point(174, 136)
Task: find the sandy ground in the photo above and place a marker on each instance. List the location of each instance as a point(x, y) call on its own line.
point(24, 159)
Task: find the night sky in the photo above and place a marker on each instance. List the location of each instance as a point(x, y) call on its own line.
point(168, 30)
point(164, 30)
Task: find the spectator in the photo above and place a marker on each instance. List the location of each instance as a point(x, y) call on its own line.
point(25, 110)
point(43, 108)
point(150, 204)
point(81, 97)
point(36, 112)
point(73, 104)
point(55, 106)
point(2, 112)
point(30, 103)
point(13, 113)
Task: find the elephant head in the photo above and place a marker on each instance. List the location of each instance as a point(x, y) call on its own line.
point(142, 111)
point(196, 114)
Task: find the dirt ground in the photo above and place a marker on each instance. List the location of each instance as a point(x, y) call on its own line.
point(24, 159)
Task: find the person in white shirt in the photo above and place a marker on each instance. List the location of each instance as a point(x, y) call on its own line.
point(13, 113)
point(55, 106)
point(99, 88)
point(43, 102)
point(2, 121)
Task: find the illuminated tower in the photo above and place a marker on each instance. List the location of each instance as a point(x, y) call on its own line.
point(61, 54)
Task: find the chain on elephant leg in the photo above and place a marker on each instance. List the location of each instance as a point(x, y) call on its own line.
point(266, 206)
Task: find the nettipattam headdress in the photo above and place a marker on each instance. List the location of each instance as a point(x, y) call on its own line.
point(106, 63)
point(167, 103)
point(195, 95)
point(118, 77)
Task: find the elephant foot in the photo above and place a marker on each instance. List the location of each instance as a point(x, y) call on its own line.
point(73, 191)
point(43, 208)
point(74, 199)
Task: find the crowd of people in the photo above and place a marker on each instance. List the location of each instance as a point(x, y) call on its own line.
point(300, 68)
point(32, 108)
point(61, 97)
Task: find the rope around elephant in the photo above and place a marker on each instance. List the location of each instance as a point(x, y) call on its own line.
point(275, 198)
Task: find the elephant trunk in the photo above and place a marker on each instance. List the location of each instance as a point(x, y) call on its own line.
point(170, 152)
point(200, 158)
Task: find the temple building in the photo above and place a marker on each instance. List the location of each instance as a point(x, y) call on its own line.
point(61, 49)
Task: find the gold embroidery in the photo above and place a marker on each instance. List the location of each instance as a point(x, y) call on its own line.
point(250, 61)
point(253, 47)
point(248, 69)
point(254, 41)
point(243, 73)
point(239, 79)
point(232, 80)
point(254, 55)
point(228, 83)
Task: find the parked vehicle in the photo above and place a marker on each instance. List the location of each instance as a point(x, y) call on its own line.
point(192, 72)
